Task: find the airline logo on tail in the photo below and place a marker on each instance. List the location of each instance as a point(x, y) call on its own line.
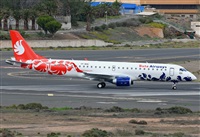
point(19, 48)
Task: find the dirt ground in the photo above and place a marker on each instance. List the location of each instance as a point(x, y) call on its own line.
point(151, 32)
point(41, 123)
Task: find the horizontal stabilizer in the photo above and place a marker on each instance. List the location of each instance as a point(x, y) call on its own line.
point(16, 63)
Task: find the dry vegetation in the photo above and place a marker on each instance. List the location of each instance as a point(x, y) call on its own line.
point(115, 121)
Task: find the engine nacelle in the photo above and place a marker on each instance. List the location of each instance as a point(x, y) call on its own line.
point(122, 81)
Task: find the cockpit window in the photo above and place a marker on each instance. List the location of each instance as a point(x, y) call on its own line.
point(183, 69)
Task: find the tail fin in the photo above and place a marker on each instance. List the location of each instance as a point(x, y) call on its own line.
point(22, 51)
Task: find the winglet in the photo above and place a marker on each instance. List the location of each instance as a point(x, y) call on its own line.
point(22, 51)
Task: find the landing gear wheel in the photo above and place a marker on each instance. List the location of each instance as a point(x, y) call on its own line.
point(104, 84)
point(101, 85)
point(174, 86)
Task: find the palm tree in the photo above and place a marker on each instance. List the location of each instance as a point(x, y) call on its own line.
point(26, 16)
point(89, 12)
point(6, 15)
point(17, 15)
point(33, 16)
point(48, 7)
point(1, 17)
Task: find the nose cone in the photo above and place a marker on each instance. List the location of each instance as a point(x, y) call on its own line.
point(193, 77)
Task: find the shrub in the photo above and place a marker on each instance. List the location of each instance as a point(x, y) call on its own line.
point(148, 20)
point(124, 24)
point(95, 132)
point(52, 134)
point(145, 20)
point(179, 110)
point(40, 34)
point(53, 26)
point(158, 109)
point(104, 27)
point(97, 28)
point(21, 106)
point(133, 121)
point(118, 24)
point(131, 22)
point(33, 106)
point(142, 20)
point(12, 107)
point(112, 25)
point(157, 16)
point(173, 110)
point(23, 33)
point(142, 122)
point(43, 20)
point(115, 109)
point(7, 133)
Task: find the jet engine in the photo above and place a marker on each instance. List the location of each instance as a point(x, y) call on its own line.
point(122, 81)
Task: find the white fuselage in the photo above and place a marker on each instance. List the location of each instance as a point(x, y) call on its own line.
point(136, 71)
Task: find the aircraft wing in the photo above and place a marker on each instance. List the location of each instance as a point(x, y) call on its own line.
point(102, 76)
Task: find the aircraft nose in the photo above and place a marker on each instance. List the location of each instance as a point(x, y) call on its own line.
point(194, 77)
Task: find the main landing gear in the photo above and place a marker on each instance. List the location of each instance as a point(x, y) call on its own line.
point(101, 85)
point(174, 86)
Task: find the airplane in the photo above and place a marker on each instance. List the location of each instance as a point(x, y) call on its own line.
point(118, 73)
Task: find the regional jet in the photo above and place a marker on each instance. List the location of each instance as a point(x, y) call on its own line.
point(118, 73)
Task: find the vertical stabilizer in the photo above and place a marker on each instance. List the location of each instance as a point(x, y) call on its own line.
point(22, 51)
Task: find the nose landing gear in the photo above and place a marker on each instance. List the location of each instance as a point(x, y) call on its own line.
point(174, 85)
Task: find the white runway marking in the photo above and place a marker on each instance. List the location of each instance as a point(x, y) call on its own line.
point(10, 67)
point(150, 101)
point(107, 102)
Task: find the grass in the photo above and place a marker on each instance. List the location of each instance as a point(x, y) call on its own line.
point(61, 109)
point(126, 47)
point(157, 25)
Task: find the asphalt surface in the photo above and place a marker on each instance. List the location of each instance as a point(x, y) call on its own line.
point(24, 86)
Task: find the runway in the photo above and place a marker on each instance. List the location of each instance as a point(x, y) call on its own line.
point(24, 86)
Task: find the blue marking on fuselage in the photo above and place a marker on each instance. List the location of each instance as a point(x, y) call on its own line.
point(187, 78)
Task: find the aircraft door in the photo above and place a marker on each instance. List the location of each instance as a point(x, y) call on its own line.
point(171, 71)
point(113, 68)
